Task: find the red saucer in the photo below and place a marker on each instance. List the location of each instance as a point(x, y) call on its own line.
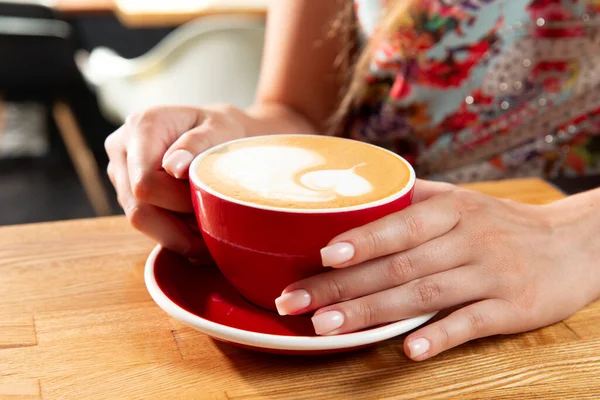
point(197, 294)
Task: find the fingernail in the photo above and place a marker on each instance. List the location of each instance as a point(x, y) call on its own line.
point(292, 302)
point(337, 254)
point(178, 163)
point(418, 347)
point(327, 322)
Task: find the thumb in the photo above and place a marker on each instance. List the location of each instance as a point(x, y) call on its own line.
point(216, 128)
point(424, 190)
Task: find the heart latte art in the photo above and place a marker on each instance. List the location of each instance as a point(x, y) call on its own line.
point(309, 172)
point(278, 173)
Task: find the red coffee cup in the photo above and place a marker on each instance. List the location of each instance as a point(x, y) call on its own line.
point(262, 249)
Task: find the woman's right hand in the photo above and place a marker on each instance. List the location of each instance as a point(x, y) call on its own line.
point(149, 160)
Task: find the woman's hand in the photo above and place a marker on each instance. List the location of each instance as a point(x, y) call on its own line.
point(510, 267)
point(149, 158)
point(151, 153)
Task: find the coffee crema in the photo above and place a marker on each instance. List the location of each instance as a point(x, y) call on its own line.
point(303, 172)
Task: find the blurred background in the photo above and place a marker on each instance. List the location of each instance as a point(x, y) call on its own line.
point(72, 70)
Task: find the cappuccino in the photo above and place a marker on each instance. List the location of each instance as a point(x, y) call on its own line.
point(303, 172)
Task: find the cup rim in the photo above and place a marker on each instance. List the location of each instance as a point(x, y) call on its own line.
point(198, 183)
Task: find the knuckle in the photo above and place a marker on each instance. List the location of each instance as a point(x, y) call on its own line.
point(120, 202)
point(414, 227)
point(225, 119)
point(216, 121)
point(370, 243)
point(225, 109)
point(467, 200)
point(424, 294)
point(200, 140)
point(141, 186)
point(365, 313)
point(120, 198)
point(110, 171)
point(231, 117)
point(110, 143)
point(147, 116)
point(399, 269)
point(443, 336)
point(136, 214)
point(476, 323)
point(525, 300)
point(335, 290)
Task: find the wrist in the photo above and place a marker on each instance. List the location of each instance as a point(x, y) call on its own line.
point(576, 220)
point(582, 207)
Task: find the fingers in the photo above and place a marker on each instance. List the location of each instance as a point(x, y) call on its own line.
point(394, 233)
point(180, 155)
point(166, 228)
point(160, 189)
point(150, 135)
point(110, 171)
point(138, 146)
point(421, 296)
point(216, 128)
point(481, 319)
point(152, 186)
point(161, 225)
point(154, 202)
point(332, 287)
point(426, 189)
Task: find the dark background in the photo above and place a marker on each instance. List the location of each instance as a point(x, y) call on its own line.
point(47, 188)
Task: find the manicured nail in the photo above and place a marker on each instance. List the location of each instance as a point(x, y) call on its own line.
point(418, 347)
point(292, 302)
point(337, 254)
point(178, 163)
point(327, 322)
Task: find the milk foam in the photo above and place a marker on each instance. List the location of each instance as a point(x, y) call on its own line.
point(271, 172)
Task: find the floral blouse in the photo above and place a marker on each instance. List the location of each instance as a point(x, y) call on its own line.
point(487, 89)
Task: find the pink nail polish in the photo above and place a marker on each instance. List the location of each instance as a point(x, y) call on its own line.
point(418, 347)
point(327, 322)
point(178, 163)
point(292, 302)
point(336, 254)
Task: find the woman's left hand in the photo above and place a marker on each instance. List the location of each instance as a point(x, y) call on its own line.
point(510, 267)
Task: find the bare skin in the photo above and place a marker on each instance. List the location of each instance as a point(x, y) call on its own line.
point(512, 267)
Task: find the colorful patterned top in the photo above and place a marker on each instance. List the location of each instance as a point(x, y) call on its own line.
point(489, 88)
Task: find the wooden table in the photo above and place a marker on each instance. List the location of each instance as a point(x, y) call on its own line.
point(76, 322)
point(161, 13)
point(83, 7)
point(158, 13)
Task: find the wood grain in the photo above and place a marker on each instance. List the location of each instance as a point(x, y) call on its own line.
point(18, 331)
point(532, 191)
point(19, 389)
point(76, 322)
